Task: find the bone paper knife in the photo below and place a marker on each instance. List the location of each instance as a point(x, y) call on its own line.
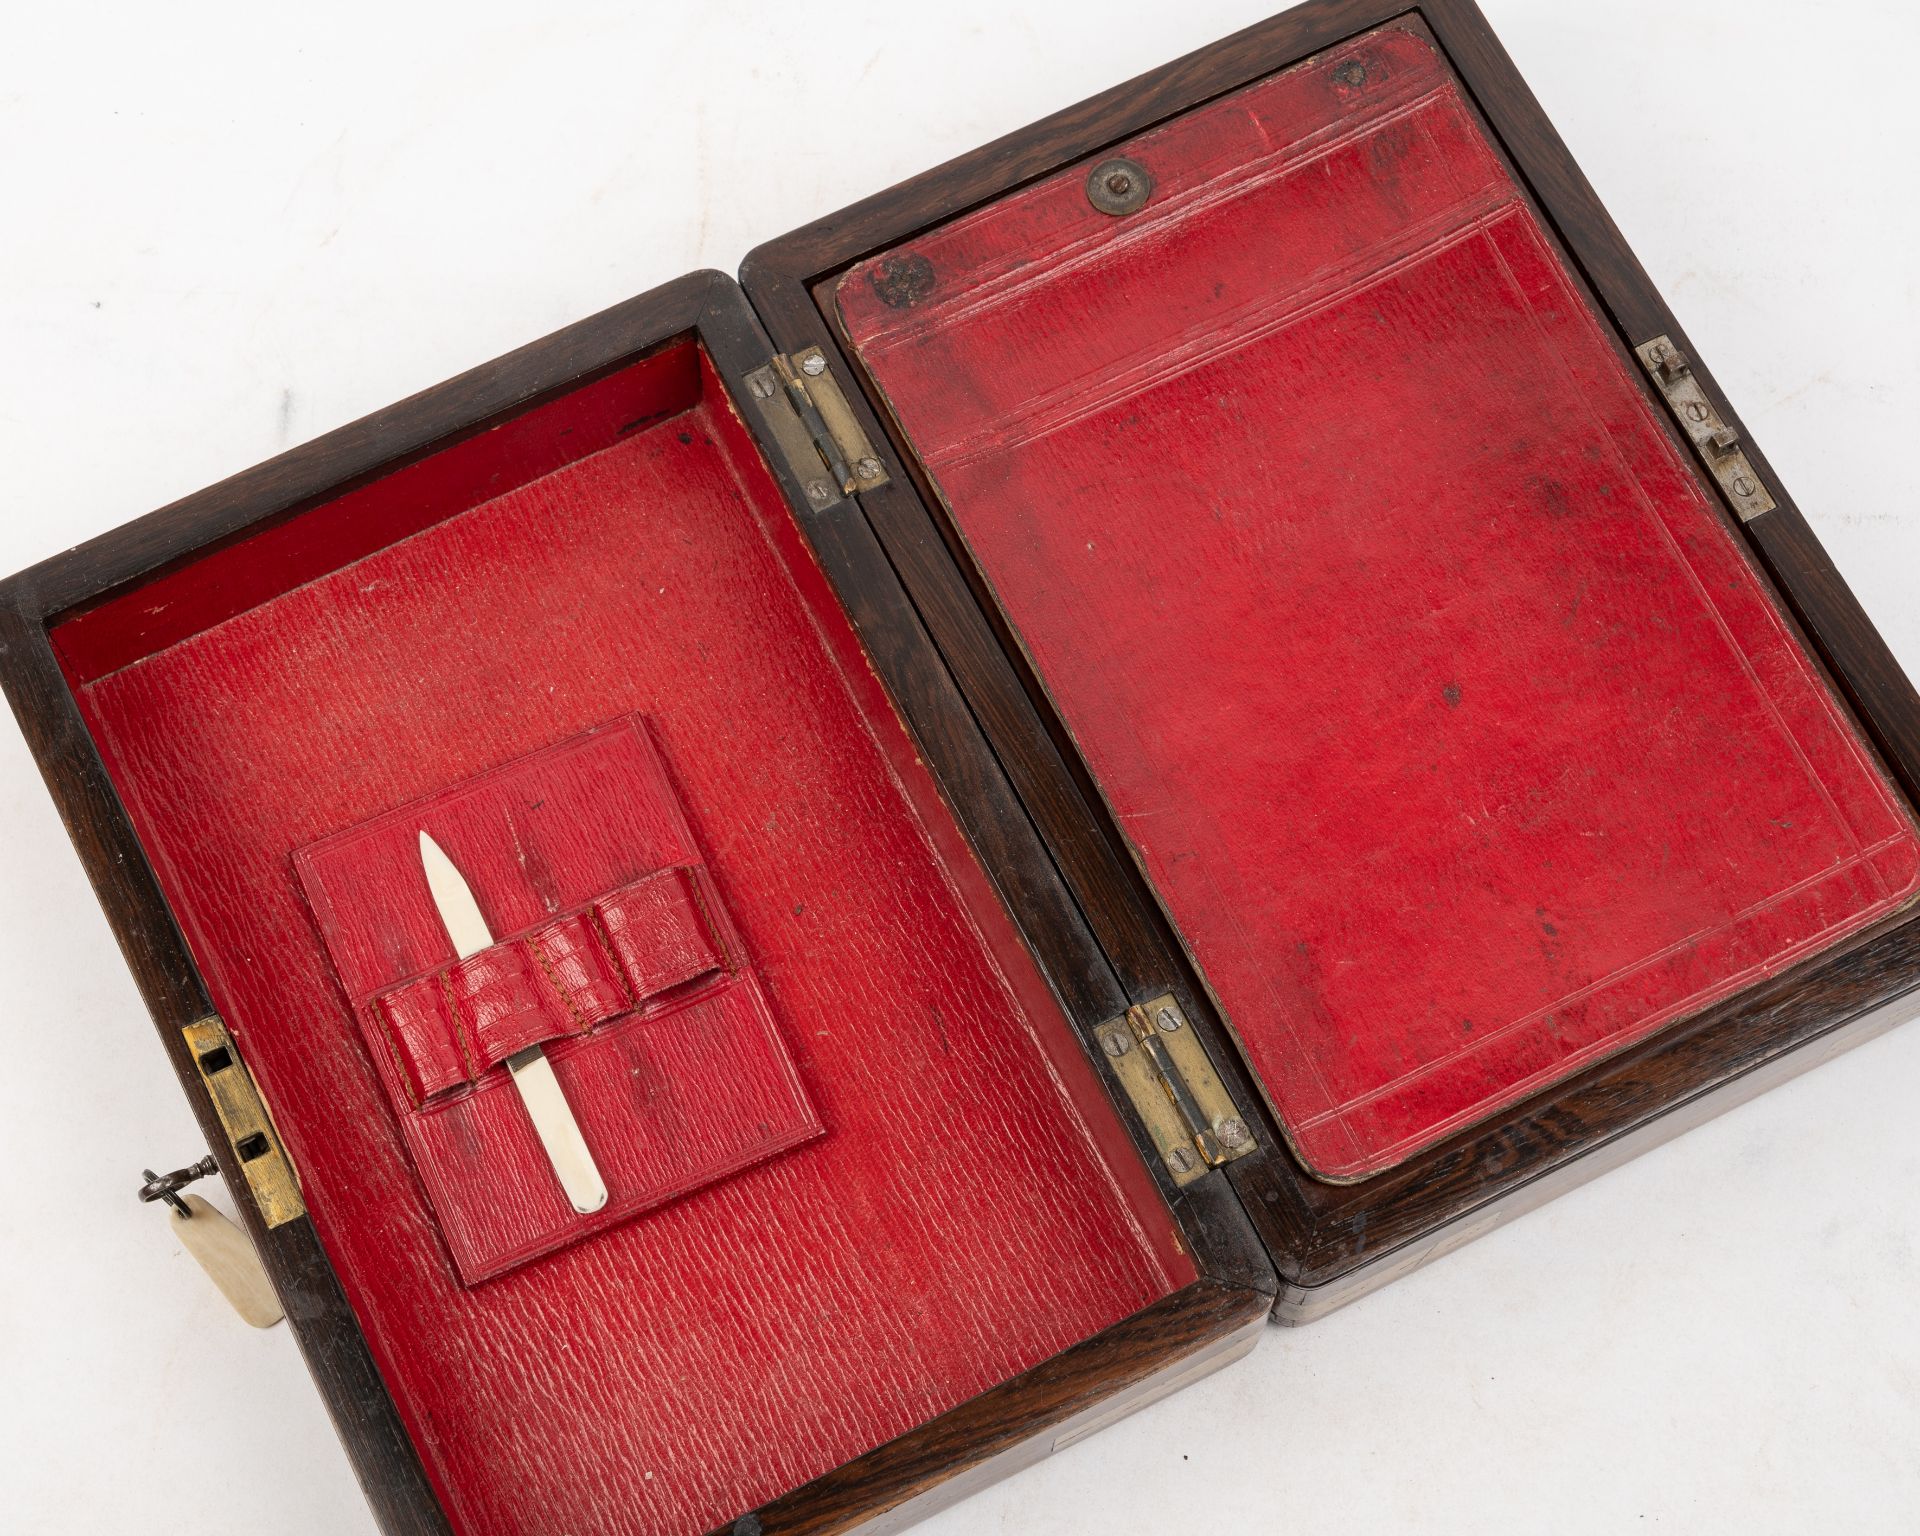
point(532, 1073)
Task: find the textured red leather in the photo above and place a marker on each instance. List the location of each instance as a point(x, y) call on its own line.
point(507, 455)
point(499, 999)
point(670, 1059)
point(975, 1206)
point(660, 931)
point(566, 977)
point(1441, 708)
point(589, 981)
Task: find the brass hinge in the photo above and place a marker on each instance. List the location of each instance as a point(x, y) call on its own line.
point(801, 405)
point(248, 1125)
point(1171, 1080)
point(1717, 444)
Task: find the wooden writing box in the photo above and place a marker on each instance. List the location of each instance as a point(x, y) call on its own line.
point(1224, 706)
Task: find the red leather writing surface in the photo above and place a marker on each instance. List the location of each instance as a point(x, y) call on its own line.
point(611, 953)
point(974, 1208)
point(1438, 704)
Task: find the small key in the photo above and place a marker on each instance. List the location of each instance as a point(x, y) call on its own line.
point(219, 1247)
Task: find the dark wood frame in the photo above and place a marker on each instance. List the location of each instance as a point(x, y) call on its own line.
point(1024, 801)
point(1333, 1243)
point(1201, 1326)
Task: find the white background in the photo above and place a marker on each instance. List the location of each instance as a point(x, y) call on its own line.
point(228, 229)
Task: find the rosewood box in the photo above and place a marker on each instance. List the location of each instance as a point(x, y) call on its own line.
point(1131, 737)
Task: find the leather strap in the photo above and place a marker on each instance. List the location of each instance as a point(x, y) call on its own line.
point(567, 977)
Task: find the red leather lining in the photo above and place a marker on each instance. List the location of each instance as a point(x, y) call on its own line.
point(667, 1050)
point(512, 453)
point(1440, 706)
point(974, 1207)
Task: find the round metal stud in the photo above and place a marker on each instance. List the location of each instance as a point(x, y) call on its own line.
point(813, 365)
point(1233, 1133)
point(868, 469)
point(819, 493)
point(1119, 186)
point(903, 281)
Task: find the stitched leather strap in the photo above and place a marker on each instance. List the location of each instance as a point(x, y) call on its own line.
point(567, 977)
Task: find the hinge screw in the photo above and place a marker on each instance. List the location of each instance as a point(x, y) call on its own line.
point(1116, 1043)
point(868, 469)
point(1180, 1160)
point(813, 365)
point(1233, 1133)
point(819, 493)
point(1671, 362)
point(1169, 1020)
point(760, 386)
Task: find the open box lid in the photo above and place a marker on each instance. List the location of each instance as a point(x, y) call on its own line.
point(1388, 618)
point(1376, 572)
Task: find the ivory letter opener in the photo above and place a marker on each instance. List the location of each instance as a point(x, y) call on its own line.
point(532, 1073)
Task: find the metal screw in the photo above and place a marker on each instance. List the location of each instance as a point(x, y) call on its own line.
point(1742, 486)
point(1233, 1133)
point(1116, 1043)
point(1119, 186)
point(1169, 1020)
point(868, 469)
point(1696, 411)
point(1180, 1160)
point(819, 493)
point(760, 386)
point(813, 365)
